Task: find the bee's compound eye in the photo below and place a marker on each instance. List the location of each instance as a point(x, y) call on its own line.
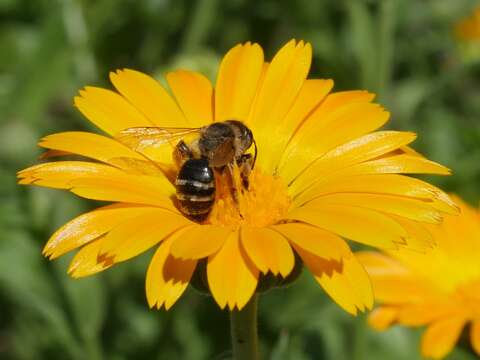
point(248, 137)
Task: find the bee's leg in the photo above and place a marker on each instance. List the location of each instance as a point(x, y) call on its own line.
point(233, 187)
point(245, 165)
point(182, 153)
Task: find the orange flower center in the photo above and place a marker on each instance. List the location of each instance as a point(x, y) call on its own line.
point(264, 203)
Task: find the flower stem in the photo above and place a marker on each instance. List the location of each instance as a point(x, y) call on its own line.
point(243, 328)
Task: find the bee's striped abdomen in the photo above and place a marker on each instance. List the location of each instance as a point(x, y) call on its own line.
point(195, 186)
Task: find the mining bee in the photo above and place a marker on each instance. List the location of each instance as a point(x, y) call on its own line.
point(217, 148)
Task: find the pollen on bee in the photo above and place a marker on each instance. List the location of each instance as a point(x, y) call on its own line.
point(265, 202)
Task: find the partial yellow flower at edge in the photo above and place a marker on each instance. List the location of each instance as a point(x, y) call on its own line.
point(468, 29)
point(325, 173)
point(439, 288)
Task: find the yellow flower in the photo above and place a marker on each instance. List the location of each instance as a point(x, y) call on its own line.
point(468, 29)
point(439, 288)
point(323, 173)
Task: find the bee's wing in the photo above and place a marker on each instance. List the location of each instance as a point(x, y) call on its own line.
point(137, 166)
point(138, 138)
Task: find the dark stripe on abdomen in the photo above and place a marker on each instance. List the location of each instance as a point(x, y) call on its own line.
point(195, 186)
point(191, 189)
point(195, 208)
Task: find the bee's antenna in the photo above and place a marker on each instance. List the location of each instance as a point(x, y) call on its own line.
point(255, 156)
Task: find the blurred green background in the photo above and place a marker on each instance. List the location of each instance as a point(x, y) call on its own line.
point(402, 49)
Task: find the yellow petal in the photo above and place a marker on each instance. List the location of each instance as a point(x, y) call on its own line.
point(88, 227)
point(200, 241)
point(359, 150)
point(382, 317)
point(394, 283)
point(194, 94)
point(237, 81)
point(127, 188)
point(419, 237)
point(386, 184)
point(397, 205)
point(440, 337)
point(140, 233)
point(426, 312)
point(334, 105)
point(400, 164)
point(410, 151)
point(343, 98)
point(86, 261)
point(310, 95)
point(268, 250)
point(362, 225)
point(342, 126)
point(232, 278)
point(143, 167)
point(282, 83)
point(149, 97)
point(348, 285)
point(101, 182)
point(108, 110)
point(398, 290)
point(88, 144)
point(378, 264)
point(283, 80)
point(475, 336)
point(59, 174)
point(167, 277)
point(314, 240)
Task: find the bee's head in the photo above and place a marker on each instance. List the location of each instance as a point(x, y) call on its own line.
point(247, 137)
point(244, 134)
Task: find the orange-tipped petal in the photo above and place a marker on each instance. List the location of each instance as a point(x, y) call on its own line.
point(268, 250)
point(88, 227)
point(167, 277)
point(86, 261)
point(347, 283)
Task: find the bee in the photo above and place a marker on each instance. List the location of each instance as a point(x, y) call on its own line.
point(216, 148)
